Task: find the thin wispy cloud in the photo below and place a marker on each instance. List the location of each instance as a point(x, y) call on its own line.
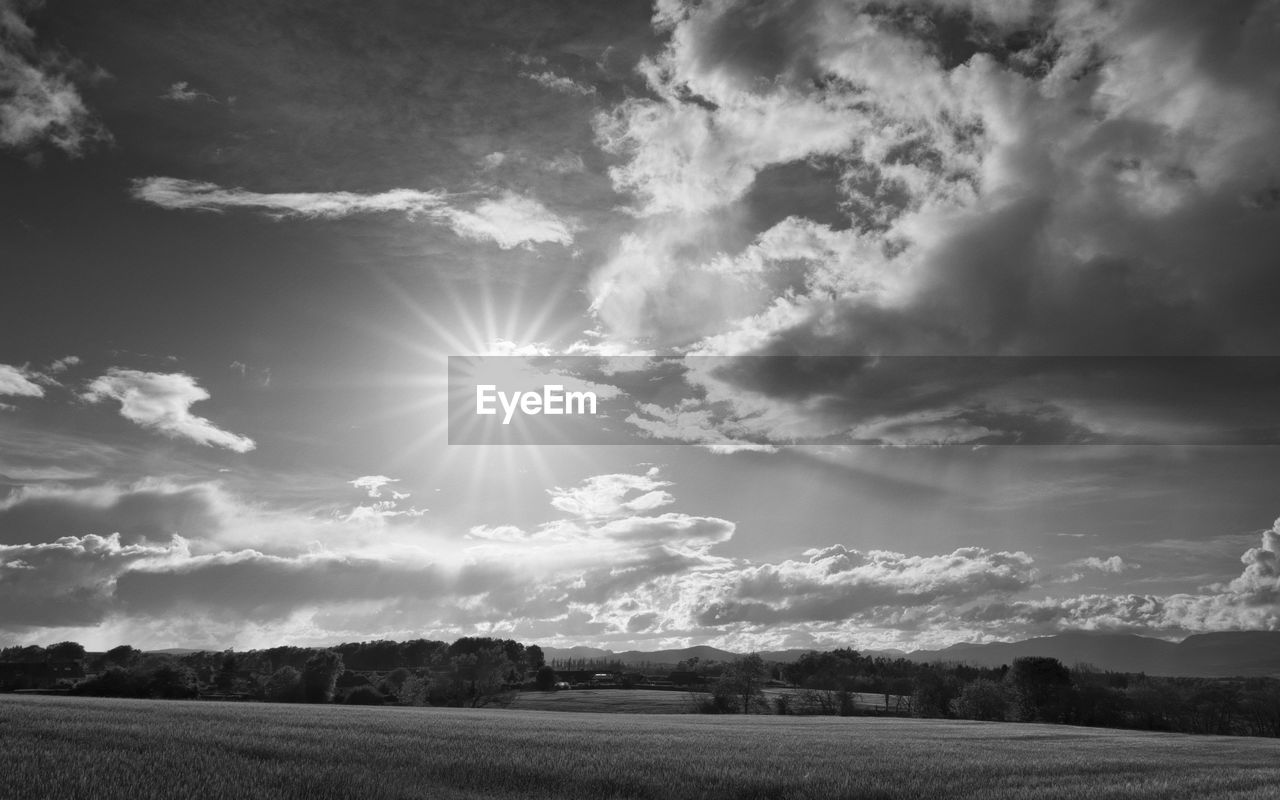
point(182, 92)
point(560, 83)
point(508, 220)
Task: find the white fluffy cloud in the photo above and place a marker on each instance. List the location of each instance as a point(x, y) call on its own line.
point(508, 220)
point(39, 100)
point(615, 567)
point(162, 402)
point(17, 382)
point(604, 496)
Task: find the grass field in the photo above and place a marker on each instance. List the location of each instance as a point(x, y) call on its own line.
point(61, 747)
point(620, 701)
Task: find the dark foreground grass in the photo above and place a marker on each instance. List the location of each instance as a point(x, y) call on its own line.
point(57, 747)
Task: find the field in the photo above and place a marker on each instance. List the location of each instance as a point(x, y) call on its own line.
point(617, 701)
point(59, 747)
point(643, 701)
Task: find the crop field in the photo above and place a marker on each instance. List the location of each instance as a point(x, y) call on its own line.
point(61, 747)
point(644, 701)
point(618, 701)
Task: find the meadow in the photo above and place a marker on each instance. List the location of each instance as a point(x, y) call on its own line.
point(64, 747)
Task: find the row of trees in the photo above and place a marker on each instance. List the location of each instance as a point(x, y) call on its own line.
point(477, 671)
point(471, 671)
point(1031, 689)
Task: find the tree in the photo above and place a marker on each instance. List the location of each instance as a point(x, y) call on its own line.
point(122, 656)
point(479, 677)
point(1040, 688)
point(546, 679)
point(284, 686)
point(114, 681)
point(365, 696)
point(534, 658)
point(981, 699)
point(225, 680)
point(744, 681)
point(66, 651)
point(320, 675)
point(171, 680)
point(31, 654)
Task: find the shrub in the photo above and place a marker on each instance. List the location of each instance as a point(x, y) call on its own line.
point(365, 696)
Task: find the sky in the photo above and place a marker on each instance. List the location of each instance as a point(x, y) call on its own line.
point(915, 322)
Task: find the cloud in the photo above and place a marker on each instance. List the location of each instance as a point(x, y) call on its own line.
point(606, 496)
point(374, 483)
point(181, 92)
point(147, 512)
point(837, 583)
point(69, 581)
point(17, 381)
point(63, 364)
point(511, 221)
point(163, 559)
point(924, 178)
point(559, 83)
point(41, 103)
point(1114, 564)
point(162, 402)
point(508, 220)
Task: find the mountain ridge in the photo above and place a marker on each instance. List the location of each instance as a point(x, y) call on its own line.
point(1208, 655)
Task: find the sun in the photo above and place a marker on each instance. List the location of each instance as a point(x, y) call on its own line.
point(475, 325)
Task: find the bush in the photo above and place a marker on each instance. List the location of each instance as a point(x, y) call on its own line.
point(545, 680)
point(113, 682)
point(981, 699)
point(284, 686)
point(365, 696)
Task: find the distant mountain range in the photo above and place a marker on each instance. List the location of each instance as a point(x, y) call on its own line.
point(1245, 653)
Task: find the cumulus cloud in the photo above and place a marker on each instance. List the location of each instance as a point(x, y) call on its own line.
point(162, 402)
point(615, 566)
point(604, 496)
point(374, 483)
point(18, 382)
point(40, 103)
point(69, 581)
point(837, 583)
point(1029, 179)
point(1251, 601)
point(508, 220)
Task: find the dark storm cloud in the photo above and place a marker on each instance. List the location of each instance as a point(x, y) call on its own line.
point(69, 581)
point(1062, 179)
point(34, 516)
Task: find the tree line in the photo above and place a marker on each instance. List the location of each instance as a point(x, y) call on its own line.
point(1031, 689)
point(479, 671)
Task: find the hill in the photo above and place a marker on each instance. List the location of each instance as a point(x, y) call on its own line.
point(1207, 655)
